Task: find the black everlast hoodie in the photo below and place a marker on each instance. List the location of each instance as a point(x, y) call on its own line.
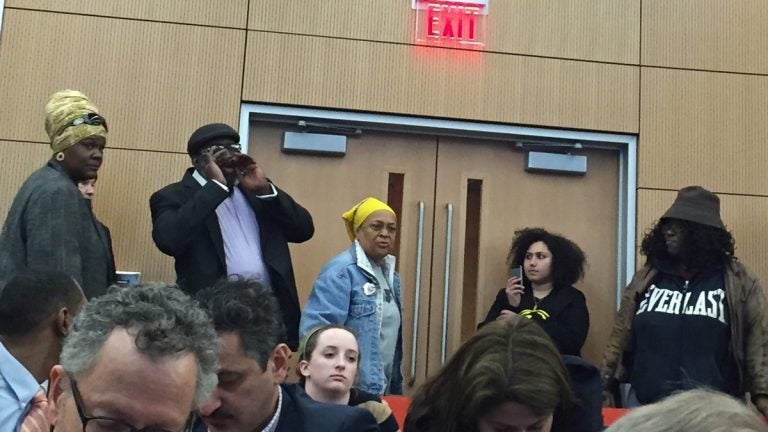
point(681, 335)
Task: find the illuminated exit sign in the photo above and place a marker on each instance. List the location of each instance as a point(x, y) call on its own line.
point(451, 23)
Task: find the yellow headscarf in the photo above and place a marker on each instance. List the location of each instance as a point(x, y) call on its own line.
point(355, 216)
point(63, 107)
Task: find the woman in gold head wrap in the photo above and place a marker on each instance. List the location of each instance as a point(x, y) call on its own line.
point(360, 289)
point(50, 225)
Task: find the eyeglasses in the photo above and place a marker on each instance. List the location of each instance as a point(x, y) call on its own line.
point(91, 119)
point(106, 424)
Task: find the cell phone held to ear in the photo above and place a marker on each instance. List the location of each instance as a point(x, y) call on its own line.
point(516, 271)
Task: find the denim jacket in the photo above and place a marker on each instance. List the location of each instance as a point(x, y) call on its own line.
point(338, 298)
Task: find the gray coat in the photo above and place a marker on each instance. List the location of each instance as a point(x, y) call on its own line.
point(50, 225)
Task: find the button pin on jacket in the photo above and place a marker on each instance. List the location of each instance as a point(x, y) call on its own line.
point(369, 288)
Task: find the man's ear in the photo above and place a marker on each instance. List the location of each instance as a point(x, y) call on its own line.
point(199, 161)
point(57, 379)
point(281, 362)
point(63, 321)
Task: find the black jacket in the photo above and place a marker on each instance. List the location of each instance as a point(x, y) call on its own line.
point(185, 226)
point(567, 322)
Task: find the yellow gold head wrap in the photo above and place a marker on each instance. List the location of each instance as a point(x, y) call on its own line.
point(355, 216)
point(62, 108)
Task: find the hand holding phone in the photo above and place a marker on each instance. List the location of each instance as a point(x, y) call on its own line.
point(515, 288)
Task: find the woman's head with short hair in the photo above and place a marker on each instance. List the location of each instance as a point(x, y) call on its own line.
point(692, 411)
point(328, 356)
point(508, 367)
point(310, 342)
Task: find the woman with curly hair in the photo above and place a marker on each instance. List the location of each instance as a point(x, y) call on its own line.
point(544, 293)
point(693, 316)
point(508, 376)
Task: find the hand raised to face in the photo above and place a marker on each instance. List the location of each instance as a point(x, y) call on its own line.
point(253, 179)
point(207, 164)
point(514, 290)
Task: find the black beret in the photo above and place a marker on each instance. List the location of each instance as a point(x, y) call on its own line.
point(215, 131)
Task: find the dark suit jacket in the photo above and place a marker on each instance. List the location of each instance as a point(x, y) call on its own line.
point(185, 226)
point(299, 413)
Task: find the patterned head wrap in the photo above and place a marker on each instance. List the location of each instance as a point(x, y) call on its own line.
point(355, 216)
point(62, 112)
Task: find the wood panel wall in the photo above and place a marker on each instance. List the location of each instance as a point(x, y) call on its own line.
point(375, 76)
point(687, 76)
point(712, 35)
point(222, 13)
point(154, 82)
point(25, 158)
point(599, 30)
point(703, 128)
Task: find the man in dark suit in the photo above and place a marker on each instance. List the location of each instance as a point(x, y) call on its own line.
point(225, 218)
point(253, 362)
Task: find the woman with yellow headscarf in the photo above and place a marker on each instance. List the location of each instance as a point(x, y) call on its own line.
point(360, 289)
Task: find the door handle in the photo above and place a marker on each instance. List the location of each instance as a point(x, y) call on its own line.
point(417, 291)
point(446, 279)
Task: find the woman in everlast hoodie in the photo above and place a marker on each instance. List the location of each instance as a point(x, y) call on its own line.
point(693, 316)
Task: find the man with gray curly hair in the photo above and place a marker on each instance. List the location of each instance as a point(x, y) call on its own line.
point(138, 358)
point(692, 411)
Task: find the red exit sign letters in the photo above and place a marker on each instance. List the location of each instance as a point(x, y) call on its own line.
point(451, 23)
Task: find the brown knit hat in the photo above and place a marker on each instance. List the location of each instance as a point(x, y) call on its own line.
point(696, 204)
point(63, 112)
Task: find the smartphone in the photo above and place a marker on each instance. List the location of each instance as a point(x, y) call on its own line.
point(516, 271)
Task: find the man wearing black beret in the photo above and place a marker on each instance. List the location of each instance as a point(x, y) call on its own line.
point(226, 218)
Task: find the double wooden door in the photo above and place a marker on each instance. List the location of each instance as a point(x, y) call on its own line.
point(459, 202)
